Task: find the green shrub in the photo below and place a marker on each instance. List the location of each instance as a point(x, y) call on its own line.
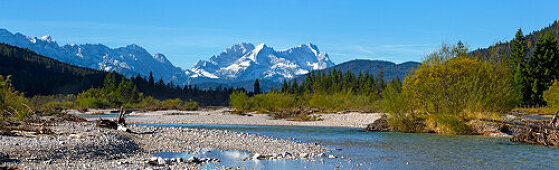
point(447, 88)
point(52, 108)
point(13, 105)
point(551, 95)
point(239, 101)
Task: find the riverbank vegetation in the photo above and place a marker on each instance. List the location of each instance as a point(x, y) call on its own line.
point(317, 92)
point(448, 93)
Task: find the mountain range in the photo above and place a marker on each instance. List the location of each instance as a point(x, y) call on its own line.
point(237, 66)
point(239, 63)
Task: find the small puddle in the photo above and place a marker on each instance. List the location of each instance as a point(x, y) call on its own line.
point(222, 155)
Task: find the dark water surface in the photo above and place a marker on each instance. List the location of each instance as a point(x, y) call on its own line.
point(380, 150)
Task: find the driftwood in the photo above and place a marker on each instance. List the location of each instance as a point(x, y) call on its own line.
point(539, 133)
point(106, 124)
point(120, 119)
point(519, 123)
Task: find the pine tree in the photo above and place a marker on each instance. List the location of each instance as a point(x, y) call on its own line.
point(151, 80)
point(517, 63)
point(294, 88)
point(256, 87)
point(110, 84)
point(542, 67)
point(284, 88)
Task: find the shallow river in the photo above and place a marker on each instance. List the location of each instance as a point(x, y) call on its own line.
point(378, 150)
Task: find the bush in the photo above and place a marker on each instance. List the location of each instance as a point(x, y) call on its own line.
point(52, 108)
point(239, 101)
point(446, 88)
point(407, 122)
point(551, 95)
point(13, 105)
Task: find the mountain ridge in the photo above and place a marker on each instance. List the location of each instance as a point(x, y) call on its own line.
point(238, 63)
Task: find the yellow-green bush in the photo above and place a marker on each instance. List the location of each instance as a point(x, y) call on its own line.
point(13, 105)
point(446, 88)
point(551, 95)
point(239, 101)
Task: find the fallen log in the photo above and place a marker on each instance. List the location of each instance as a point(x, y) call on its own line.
point(519, 123)
point(538, 133)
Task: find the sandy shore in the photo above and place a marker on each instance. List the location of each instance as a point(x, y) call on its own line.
point(222, 116)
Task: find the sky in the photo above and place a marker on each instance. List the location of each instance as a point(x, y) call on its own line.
point(187, 31)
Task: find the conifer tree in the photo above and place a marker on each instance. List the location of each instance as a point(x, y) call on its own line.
point(151, 80)
point(256, 87)
point(543, 67)
point(517, 63)
point(284, 88)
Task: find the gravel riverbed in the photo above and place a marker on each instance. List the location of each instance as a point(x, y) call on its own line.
point(85, 146)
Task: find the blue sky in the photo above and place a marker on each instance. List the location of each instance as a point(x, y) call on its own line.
point(187, 31)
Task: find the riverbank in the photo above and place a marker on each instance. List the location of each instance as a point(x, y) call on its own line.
point(223, 116)
point(84, 146)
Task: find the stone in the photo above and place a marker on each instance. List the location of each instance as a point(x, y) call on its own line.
point(379, 125)
point(4, 156)
point(161, 161)
point(257, 156)
point(122, 128)
point(179, 160)
point(332, 156)
point(194, 160)
point(304, 155)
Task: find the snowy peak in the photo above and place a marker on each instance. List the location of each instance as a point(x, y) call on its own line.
point(129, 60)
point(47, 38)
point(245, 62)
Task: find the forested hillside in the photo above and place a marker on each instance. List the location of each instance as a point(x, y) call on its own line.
point(388, 69)
point(34, 74)
point(502, 49)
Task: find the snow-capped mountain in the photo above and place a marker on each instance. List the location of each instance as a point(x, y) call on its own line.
point(130, 60)
point(240, 63)
point(245, 61)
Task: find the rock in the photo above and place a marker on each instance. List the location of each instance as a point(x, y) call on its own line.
point(257, 156)
point(287, 155)
point(179, 160)
point(304, 155)
point(194, 160)
point(490, 128)
point(320, 155)
point(379, 125)
point(122, 128)
point(153, 158)
point(332, 156)
point(4, 156)
point(162, 161)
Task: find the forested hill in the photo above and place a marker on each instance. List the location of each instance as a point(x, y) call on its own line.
point(374, 67)
point(503, 48)
point(33, 74)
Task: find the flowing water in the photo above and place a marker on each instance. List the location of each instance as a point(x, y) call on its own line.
point(380, 150)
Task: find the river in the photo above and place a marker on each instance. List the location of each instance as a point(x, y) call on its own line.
point(381, 150)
